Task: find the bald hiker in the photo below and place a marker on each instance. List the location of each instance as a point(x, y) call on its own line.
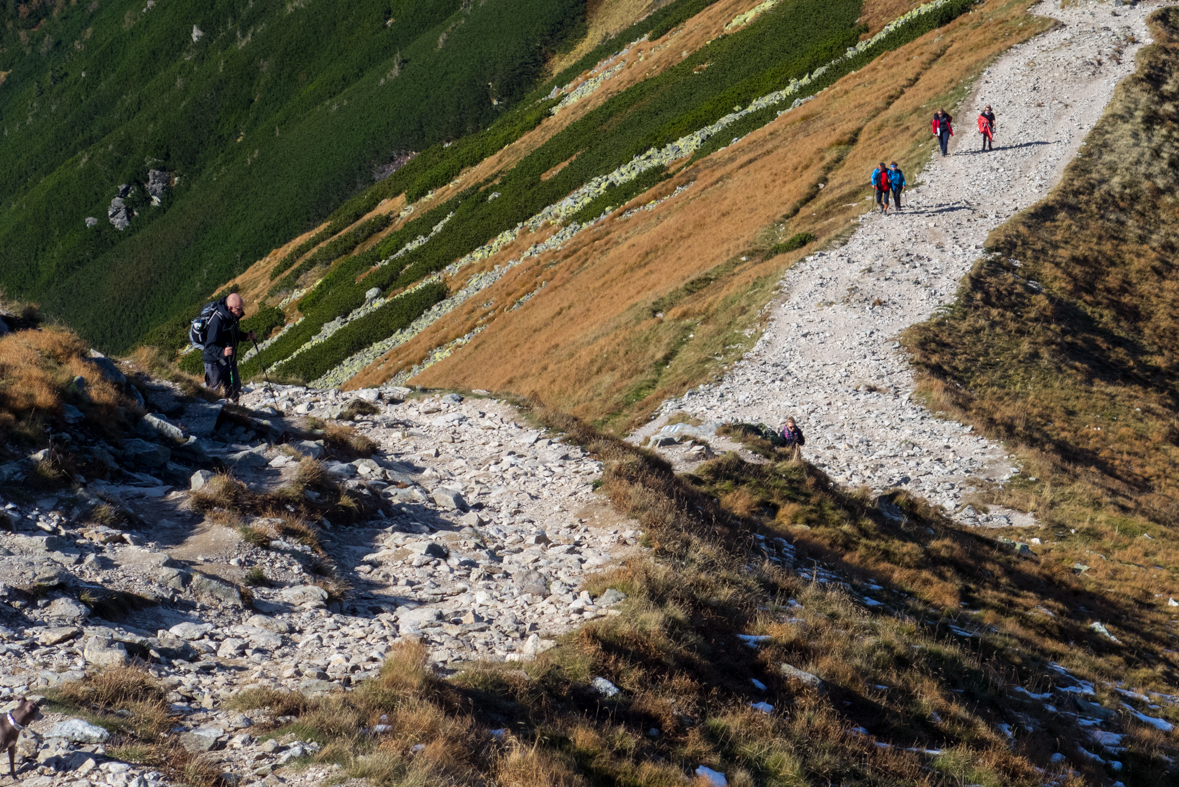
point(216, 333)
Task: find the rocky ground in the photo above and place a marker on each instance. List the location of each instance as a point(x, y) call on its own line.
point(830, 356)
point(485, 532)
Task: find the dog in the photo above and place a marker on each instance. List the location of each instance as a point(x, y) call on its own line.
point(12, 723)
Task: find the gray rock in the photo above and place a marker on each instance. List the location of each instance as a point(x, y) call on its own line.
point(78, 731)
point(153, 426)
point(452, 398)
point(450, 498)
point(105, 652)
point(107, 368)
point(610, 598)
point(803, 677)
point(534, 645)
point(201, 739)
point(199, 479)
point(305, 594)
point(531, 582)
point(214, 589)
point(340, 469)
point(605, 687)
point(72, 414)
point(38, 545)
point(308, 448)
point(143, 558)
point(372, 294)
point(269, 623)
point(429, 549)
point(174, 578)
point(313, 686)
point(230, 648)
point(147, 454)
point(67, 609)
point(248, 459)
point(417, 616)
point(27, 573)
point(190, 631)
point(56, 635)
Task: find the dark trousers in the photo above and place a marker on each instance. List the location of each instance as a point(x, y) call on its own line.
point(988, 142)
point(896, 198)
point(882, 197)
point(222, 378)
point(943, 139)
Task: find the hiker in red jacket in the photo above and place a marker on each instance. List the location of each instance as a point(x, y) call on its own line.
point(943, 128)
point(986, 127)
point(882, 185)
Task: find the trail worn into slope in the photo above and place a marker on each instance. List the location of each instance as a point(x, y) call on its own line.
point(829, 355)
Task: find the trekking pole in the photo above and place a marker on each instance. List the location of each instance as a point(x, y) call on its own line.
point(266, 376)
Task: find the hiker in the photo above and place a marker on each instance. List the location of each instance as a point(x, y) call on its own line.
point(222, 337)
point(881, 182)
point(793, 437)
point(986, 127)
point(943, 128)
point(896, 180)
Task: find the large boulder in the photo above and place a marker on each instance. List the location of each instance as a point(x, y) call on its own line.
point(305, 594)
point(144, 453)
point(215, 590)
point(105, 652)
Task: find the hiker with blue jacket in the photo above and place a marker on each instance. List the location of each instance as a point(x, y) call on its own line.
point(896, 180)
point(222, 337)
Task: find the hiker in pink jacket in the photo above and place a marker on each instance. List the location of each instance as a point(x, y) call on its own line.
point(942, 128)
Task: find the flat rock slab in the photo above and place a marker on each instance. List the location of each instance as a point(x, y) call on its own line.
point(78, 731)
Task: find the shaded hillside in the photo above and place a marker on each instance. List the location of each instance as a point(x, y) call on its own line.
point(262, 116)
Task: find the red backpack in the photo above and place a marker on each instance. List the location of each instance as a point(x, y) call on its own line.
point(883, 183)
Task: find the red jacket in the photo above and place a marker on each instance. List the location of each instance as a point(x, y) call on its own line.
point(984, 126)
point(947, 120)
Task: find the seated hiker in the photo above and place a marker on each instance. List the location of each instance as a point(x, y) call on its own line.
point(792, 435)
point(220, 346)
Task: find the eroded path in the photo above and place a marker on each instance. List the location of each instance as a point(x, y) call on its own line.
point(829, 355)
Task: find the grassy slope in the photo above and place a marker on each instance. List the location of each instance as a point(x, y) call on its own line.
point(1063, 342)
point(609, 358)
point(272, 119)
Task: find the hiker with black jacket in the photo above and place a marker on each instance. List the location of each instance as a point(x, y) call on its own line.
point(793, 437)
point(222, 337)
point(943, 128)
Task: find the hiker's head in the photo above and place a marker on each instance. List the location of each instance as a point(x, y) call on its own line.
point(893, 165)
point(790, 422)
point(988, 109)
point(882, 165)
point(235, 305)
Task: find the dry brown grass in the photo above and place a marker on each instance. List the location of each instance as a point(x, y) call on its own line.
point(38, 370)
point(128, 694)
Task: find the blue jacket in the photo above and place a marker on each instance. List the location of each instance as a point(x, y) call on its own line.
point(896, 178)
point(876, 177)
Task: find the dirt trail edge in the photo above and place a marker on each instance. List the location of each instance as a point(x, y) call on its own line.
point(829, 354)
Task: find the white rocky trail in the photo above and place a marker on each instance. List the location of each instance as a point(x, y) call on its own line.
point(829, 354)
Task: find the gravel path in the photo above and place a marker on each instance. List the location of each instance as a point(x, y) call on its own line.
point(829, 354)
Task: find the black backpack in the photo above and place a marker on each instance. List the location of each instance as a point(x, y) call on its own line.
point(198, 330)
